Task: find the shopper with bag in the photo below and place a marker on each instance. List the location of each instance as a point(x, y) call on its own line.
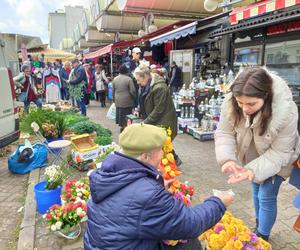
point(101, 84)
point(257, 139)
point(124, 94)
point(29, 92)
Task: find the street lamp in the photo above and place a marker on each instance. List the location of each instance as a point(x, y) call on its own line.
point(148, 25)
point(212, 5)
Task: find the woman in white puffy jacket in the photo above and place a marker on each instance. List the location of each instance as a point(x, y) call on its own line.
point(257, 139)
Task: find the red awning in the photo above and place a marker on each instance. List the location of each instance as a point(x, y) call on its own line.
point(107, 49)
point(99, 52)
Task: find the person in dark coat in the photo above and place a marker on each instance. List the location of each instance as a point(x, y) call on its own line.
point(175, 78)
point(157, 102)
point(80, 77)
point(64, 73)
point(130, 207)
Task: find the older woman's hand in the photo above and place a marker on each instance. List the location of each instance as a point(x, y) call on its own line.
point(168, 183)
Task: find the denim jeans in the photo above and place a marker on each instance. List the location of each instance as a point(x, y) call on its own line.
point(37, 102)
point(265, 203)
point(64, 93)
point(81, 106)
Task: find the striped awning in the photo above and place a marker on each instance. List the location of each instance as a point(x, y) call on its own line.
point(259, 8)
point(183, 31)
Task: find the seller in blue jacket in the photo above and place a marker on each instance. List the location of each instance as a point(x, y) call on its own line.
point(80, 77)
point(130, 207)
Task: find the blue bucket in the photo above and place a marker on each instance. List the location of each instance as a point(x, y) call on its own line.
point(296, 201)
point(46, 198)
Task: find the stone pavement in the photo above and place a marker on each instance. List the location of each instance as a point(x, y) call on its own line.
point(13, 190)
point(201, 170)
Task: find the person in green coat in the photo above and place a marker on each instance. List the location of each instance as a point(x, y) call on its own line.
point(155, 101)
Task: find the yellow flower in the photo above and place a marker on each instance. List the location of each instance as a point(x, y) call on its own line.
point(238, 244)
point(165, 161)
point(170, 157)
point(172, 242)
point(172, 173)
point(169, 132)
point(168, 168)
point(168, 140)
point(86, 193)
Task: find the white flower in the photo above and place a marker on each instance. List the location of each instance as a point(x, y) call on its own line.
point(79, 211)
point(78, 190)
point(79, 194)
point(77, 199)
point(84, 219)
point(53, 228)
point(58, 225)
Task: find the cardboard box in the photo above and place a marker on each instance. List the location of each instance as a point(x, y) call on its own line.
point(84, 147)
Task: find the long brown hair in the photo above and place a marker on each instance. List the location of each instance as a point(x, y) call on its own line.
point(253, 82)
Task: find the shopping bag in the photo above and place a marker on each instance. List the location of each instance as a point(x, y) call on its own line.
point(38, 160)
point(111, 113)
point(23, 97)
point(92, 95)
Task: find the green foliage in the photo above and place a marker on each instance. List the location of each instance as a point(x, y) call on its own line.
point(107, 152)
point(84, 127)
point(103, 140)
point(72, 119)
point(41, 116)
point(76, 90)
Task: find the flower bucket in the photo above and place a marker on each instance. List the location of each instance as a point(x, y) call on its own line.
point(72, 234)
point(46, 198)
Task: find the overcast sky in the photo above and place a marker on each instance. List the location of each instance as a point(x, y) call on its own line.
point(30, 17)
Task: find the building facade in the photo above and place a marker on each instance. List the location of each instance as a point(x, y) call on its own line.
point(62, 23)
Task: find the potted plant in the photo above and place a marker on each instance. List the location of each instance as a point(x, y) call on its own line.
point(47, 193)
point(65, 220)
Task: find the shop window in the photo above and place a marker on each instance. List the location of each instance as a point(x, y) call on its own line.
point(284, 59)
point(284, 52)
point(247, 56)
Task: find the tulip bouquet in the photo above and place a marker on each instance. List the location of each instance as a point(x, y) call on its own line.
point(76, 190)
point(180, 191)
point(232, 234)
point(64, 218)
point(168, 165)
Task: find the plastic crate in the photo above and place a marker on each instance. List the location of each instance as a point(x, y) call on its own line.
point(204, 136)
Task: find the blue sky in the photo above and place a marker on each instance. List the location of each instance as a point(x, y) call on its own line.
point(30, 17)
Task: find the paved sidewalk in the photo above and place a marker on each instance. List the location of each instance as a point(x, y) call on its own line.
point(13, 190)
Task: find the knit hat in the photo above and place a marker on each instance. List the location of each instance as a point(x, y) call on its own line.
point(137, 139)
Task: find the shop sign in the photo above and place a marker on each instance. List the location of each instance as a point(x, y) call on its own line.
point(283, 28)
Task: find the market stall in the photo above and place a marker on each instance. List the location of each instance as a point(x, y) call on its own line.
point(50, 54)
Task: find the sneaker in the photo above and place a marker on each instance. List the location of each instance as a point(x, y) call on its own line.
point(178, 162)
point(264, 237)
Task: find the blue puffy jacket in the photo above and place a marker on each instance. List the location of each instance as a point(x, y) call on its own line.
point(80, 75)
point(131, 209)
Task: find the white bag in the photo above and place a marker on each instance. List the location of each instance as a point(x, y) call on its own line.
point(111, 113)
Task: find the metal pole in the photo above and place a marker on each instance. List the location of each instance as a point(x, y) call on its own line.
point(111, 64)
